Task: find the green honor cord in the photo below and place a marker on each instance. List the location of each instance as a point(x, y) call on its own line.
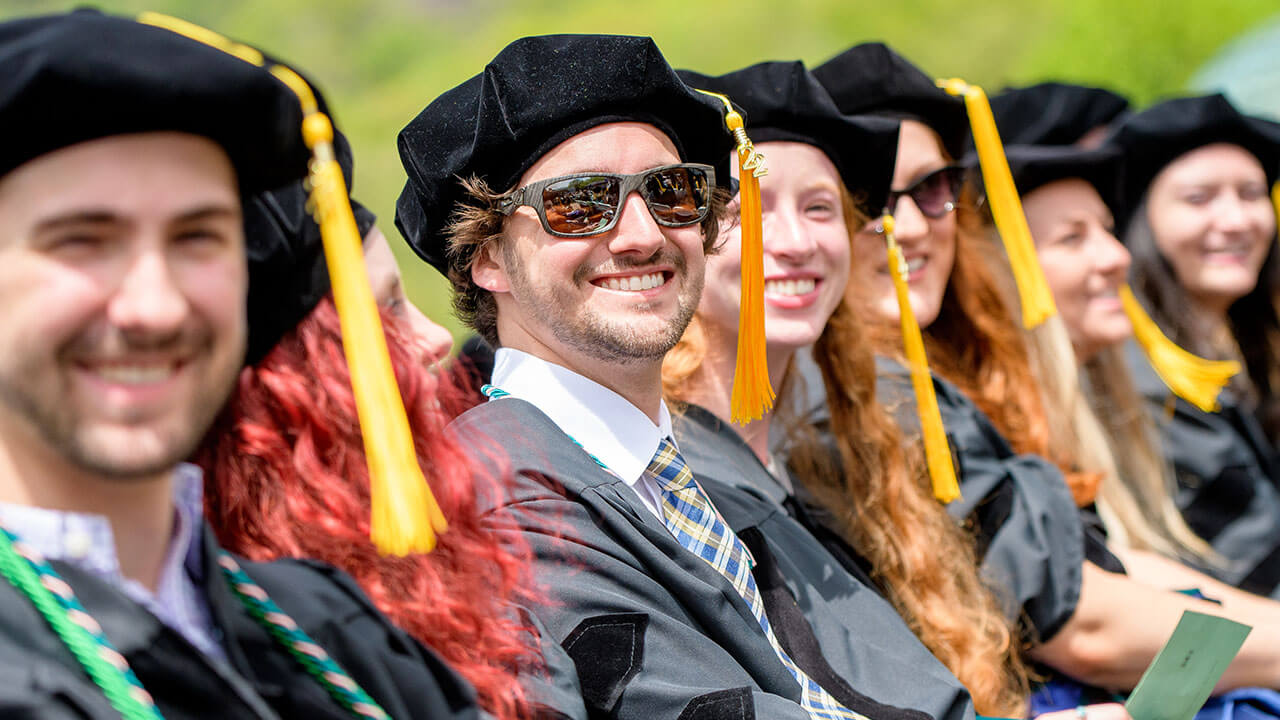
point(28, 571)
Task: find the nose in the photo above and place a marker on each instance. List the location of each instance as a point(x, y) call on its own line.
point(910, 225)
point(1231, 214)
point(785, 237)
point(636, 230)
point(1110, 256)
point(147, 299)
point(436, 340)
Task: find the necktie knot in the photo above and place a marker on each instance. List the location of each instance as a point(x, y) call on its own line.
point(669, 469)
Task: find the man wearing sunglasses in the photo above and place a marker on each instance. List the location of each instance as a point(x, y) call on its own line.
point(572, 211)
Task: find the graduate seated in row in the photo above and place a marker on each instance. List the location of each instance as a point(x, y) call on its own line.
point(124, 296)
point(975, 342)
point(1033, 557)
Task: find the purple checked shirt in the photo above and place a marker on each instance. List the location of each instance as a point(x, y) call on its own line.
point(87, 542)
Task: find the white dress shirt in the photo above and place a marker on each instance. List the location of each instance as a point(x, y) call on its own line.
point(603, 422)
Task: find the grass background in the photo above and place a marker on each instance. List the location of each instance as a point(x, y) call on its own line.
point(381, 61)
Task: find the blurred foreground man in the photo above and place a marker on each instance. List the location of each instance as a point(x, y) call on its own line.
point(123, 286)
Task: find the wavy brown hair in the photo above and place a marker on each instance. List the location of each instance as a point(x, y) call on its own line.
point(977, 343)
point(883, 505)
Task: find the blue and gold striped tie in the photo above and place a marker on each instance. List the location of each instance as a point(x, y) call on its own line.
point(692, 519)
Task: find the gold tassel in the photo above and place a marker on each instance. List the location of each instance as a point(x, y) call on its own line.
point(937, 452)
point(1275, 201)
point(752, 392)
point(1006, 208)
point(1190, 377)
point(405, 516)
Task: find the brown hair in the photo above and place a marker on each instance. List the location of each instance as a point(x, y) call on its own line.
point(1253, 320)
point(977, 344)
point(477, 223)
point(884, 507)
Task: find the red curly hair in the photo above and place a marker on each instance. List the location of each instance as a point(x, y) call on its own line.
point(286, 477)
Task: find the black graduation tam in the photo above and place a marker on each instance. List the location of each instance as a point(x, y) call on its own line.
point(537, 93)
point(873, 79)
point(1054, 113)
point(1162, 133)
point(783, 101)
point(1034, 166)
point(84, 75)
point(287, 271)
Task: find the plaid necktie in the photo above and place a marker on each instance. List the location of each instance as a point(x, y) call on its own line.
point(692, 519)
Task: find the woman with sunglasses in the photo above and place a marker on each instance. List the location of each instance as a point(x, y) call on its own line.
point(286, 474)
point(896, 533)
point(1197, 217)
point(976, 346)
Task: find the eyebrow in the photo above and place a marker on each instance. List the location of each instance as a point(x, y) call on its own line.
point(108, 217)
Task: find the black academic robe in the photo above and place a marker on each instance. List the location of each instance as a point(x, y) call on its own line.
point(39, 677)
point(656, 632)
point(1030, 537)
point(1227, 479)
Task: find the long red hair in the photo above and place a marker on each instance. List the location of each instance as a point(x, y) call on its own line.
point(286, 477)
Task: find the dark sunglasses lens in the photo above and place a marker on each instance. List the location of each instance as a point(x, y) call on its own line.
point(934, 191)
point(581, 205)
point(677, 196)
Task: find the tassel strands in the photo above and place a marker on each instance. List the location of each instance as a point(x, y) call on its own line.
point(937, 451)
point(1006, 207)
point(753, 394)
point(1190, 377)
point(405, 515)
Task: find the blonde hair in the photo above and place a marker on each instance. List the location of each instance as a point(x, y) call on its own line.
point(1101, 423)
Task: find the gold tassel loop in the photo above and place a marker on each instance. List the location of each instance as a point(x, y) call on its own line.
point(1006, 207)
point(937, 452)
point(404, 515)
point(752, 392)
point(1190, 377)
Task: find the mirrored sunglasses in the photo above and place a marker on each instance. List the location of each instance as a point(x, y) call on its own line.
point(590, 203)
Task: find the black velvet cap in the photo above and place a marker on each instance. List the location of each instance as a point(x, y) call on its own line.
point(537, 93)
point(1053, 113)
point(1034, 166)
point(1162, 133)
point(84, 75)
point(783, 101)
point(287, 271)
point(873, 79)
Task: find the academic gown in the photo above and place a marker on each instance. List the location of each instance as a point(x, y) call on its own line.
point(40, 678)
point(1227, 479)
point(1031, 539)
point(656, 632)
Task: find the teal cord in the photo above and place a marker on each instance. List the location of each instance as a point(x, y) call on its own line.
point(27, 571)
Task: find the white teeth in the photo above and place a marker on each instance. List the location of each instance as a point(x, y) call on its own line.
point(634, 283)
point(790, 288)
point(134, 374)
point(915, 264)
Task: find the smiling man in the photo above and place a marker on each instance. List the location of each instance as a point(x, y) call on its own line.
point(571, 193)
point(123, 287)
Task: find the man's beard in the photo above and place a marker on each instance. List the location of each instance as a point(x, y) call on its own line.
point(46, 408)
point(595, 335)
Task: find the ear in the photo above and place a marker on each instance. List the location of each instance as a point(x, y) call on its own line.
point(489, 271)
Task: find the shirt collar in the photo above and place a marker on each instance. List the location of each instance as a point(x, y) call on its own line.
point(86, 540)
point(603, 422)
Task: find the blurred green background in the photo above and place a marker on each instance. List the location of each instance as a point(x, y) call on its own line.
point(381, 61)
